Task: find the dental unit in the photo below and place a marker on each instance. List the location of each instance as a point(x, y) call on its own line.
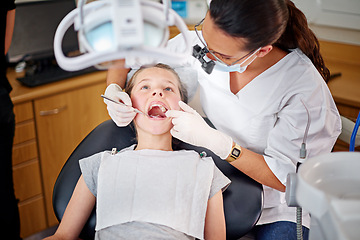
point(328, 187)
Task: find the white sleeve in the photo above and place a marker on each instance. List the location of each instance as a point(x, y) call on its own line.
point(174, 45)
point(284, 142)
point(219, 182)
point(188, 72)
point(90, 168)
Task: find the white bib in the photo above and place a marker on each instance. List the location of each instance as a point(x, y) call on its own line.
point(167, 188)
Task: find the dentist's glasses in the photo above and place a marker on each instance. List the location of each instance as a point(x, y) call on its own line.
point(216, 55)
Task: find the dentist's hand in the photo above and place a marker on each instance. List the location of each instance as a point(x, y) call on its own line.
point(191, 128)
point(121, 115)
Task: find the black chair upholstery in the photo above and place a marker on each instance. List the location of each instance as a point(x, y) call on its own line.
point(243, 200)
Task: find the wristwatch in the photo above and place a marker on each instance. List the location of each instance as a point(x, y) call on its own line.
point(235, 153)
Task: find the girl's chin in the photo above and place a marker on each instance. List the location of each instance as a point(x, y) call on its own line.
point(159, 130)
point(155, 127)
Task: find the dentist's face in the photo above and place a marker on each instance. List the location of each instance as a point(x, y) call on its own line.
point(228, 49)
point(155, 91)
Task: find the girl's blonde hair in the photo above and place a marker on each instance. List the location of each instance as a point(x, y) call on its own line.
point(182, 88)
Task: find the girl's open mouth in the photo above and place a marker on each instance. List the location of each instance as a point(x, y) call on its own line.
point(157, 111)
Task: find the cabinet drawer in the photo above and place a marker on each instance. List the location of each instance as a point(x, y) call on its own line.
point(27, 181)
point(32, 216)
point(23, 112)
point(24, 132)
point(24, 151)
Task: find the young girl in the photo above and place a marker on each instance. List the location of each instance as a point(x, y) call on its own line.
point(148, 190)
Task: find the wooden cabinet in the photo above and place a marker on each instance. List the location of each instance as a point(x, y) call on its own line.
point(26, 172)
point(62, 121)
point(51, 120)
point(344, 59)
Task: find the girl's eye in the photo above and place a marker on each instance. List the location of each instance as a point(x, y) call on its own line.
point(168, 89)
point(144, 87)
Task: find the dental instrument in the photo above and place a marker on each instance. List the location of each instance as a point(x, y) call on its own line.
point(109, 30)
point(117, 102)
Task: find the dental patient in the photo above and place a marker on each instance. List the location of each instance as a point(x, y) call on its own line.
point(149, 191)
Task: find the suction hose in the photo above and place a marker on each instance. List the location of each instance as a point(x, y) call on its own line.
point(299, 233)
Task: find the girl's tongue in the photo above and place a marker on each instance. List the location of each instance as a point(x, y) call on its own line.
point(157, 112)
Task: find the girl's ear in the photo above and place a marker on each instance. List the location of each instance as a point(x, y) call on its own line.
point(264, 50)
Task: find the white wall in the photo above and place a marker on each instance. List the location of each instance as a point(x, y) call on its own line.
point(333, 20)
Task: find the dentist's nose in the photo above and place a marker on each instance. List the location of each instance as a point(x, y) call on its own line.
point(209, 55)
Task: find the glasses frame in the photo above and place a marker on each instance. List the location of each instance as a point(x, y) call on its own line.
point(212, 52)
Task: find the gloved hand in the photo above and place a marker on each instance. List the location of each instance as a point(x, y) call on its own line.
point(191, 128)
point(120, 114)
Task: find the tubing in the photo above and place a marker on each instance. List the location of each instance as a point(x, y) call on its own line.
point(353, 135)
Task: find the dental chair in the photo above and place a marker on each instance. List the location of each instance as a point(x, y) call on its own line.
point(243, 199)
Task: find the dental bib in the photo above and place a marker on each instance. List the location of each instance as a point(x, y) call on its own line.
point(145, 185)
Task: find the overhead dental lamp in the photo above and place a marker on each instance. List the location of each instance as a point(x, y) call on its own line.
point(109, 30)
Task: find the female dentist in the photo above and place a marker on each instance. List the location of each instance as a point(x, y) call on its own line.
point(266, 96)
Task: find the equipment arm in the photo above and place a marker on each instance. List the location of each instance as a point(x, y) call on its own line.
point(117, 74)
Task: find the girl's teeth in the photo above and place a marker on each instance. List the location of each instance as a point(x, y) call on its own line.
point(162, 108)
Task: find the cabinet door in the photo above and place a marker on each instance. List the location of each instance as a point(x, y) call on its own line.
point(62, 121)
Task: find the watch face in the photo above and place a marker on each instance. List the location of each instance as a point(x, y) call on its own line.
point(236, 152)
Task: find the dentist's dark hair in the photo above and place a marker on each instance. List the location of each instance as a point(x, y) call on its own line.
point(268, 22)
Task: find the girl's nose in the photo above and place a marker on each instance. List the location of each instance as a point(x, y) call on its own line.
point(157, 92)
